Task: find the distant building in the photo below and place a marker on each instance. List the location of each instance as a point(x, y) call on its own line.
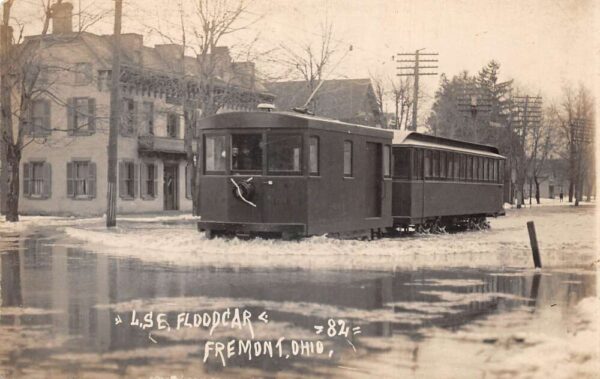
point(553, 179)
point(64, 169)
point(348, 100)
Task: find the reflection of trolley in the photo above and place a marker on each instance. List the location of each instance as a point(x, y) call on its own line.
point(293, 174)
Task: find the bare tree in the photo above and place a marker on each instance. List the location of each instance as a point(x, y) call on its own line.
point(401, 93)
point(540, 145)
point(577, 123)
point(312, 61)
point(24, 77)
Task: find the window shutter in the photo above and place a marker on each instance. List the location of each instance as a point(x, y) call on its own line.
point(92, 115)
point(136, 179)
point(71, 116)
point(143, 179)
point(155, 180)
point(178, 127)
point(26, 177)
point(92, 180)
point(122, 182)
point(47, 180)
point(188, 182)
point(47, 124)
point(70, 179)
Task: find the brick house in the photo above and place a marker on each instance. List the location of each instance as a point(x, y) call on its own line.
point(64, 167)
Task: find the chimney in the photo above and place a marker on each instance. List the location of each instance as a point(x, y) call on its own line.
point(132, 41)
point(170, 51)
point(245, 72)
point(62, 18)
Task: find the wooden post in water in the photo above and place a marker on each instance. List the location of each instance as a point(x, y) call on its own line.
point(534, 245)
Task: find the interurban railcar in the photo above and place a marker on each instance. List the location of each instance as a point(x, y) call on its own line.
point(439, 182)
point(293, 174)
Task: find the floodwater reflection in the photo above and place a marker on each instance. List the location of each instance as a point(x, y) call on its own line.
point(59, 307)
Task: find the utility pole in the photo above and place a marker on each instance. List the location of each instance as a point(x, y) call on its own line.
point(115, 120)
point(415, 72)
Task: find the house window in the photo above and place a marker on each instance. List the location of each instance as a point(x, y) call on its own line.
point(104, 80)
point(40, 118)
point(81, 116)
point(81, 179)
point(149, 182)
point(127, 180)
point(215, 153)
point(387, 172)
point(283, 154)
point(173, 125)
point(128, 117)
point(246, 152)
point(313, 155)
point(36, 180)
point(83, 73)
point(148, 117)
point(348, 158)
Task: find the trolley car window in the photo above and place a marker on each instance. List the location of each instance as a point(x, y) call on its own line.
point(347, 158)
point(449, 166)
point(215, 153)
point(469, 168)
point(475, 169)
point(436, 164)
point(283, 154)
point(387, 161)
point(443, 164)
point(485, 170)
point(427, 164)
point(313, 156)
point(418, 164)
point(501, 172)
point(401, 163)
point(246, 152)
point(481, 163)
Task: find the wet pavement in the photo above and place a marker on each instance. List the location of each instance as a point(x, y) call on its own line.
point(66, 312)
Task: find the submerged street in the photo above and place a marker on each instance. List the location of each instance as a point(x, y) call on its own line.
point(459, 305)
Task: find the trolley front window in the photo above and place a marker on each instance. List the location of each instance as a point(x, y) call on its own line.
point(215, 153)
point(386, 161)
point(246, 152)
point(283, 154)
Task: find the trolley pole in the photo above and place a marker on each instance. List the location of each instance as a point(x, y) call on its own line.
point(415, 71)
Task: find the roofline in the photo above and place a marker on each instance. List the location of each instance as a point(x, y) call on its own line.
point(444, 140)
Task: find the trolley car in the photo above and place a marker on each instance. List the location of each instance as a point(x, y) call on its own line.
point(293, 174)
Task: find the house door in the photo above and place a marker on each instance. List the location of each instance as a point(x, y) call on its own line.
point(170, 186)
point(373, 180)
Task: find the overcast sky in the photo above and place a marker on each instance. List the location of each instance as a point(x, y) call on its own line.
point(542, 44)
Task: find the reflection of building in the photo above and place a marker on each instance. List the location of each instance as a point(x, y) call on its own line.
point(64, 170)
point(348, 100)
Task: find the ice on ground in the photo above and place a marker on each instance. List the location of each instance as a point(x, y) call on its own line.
point(565, 234)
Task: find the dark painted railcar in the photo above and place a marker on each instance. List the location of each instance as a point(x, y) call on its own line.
point(293, 174)
point(439, 182)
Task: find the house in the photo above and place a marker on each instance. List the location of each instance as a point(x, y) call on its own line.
point(64, 166)
point(348, 100)
point(553, 179)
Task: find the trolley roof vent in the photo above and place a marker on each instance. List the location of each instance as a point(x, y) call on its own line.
point(265, 107)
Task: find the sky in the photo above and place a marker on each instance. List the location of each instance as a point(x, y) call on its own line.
point(541, 44)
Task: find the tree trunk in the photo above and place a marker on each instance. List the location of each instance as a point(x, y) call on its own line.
point(13, 156)
point(537, 190)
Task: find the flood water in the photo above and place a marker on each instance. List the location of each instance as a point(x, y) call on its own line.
point(66, 312)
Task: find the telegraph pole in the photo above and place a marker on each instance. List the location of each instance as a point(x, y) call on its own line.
point(115, 119)
point(415, 72)
point(582, 135)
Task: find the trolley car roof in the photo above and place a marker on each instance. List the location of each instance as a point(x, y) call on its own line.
point(282, 120)
point(406, 138)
